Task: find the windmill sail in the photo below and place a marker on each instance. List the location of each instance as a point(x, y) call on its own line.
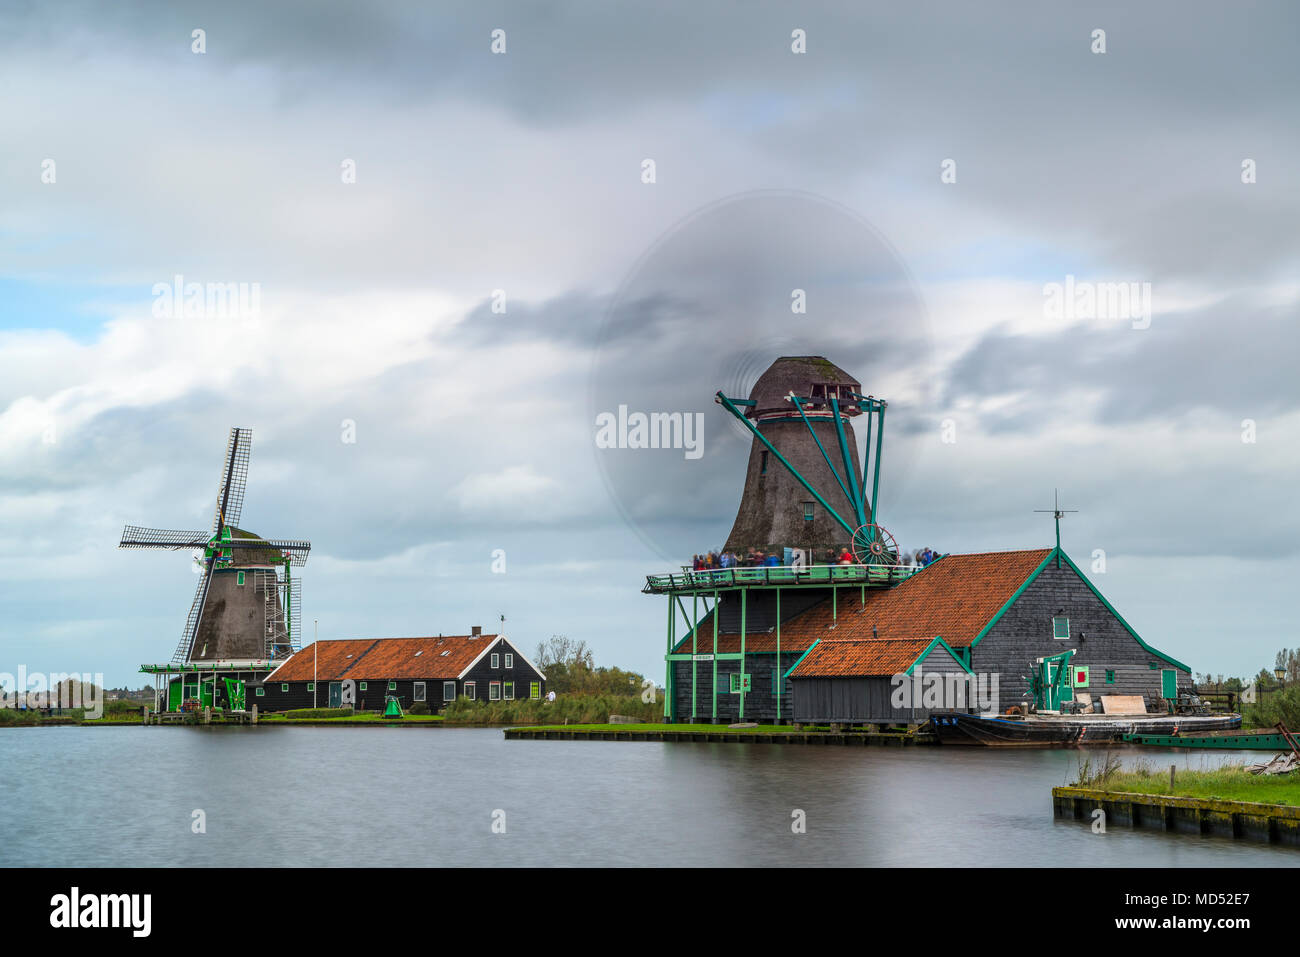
point(135, 536)
point(234, 478)
point(184, 649)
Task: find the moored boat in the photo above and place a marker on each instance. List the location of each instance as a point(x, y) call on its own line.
point(1258, 740)
point(1062, 731)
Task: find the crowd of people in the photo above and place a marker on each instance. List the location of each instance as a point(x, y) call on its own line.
point(757, 558)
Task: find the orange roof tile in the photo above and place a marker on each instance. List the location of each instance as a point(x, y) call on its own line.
point(861, 657)
point(955, 598)
point(760, 642)
point(384, 658)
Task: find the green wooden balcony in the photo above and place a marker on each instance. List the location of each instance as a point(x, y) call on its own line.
point(772, 576)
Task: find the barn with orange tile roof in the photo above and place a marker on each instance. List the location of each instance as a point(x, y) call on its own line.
point(995, 614)
point(1000, 615)
point(881, 681)
point(430, 671)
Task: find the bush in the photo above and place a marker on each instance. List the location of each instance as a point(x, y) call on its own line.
point(1274, 706)
point(420, 707)
point(319, 713)
point(123, 709)
point(570, 709)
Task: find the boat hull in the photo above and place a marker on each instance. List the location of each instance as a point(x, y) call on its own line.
point(1241, 741)
point(1067, 732)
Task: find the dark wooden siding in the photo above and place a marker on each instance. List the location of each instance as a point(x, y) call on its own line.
point(760, 702)
point(1100, 641)
point(871, 699)
point(373, 697)
point(483, 674)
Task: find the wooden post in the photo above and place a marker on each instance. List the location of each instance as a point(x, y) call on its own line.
point(1172, 769)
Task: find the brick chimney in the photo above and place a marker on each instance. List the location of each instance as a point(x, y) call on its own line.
point(476, 631)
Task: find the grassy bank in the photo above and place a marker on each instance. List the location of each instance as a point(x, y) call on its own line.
point(714, 728)
point(1229, 782)
point(571, 710)
point(350, 717)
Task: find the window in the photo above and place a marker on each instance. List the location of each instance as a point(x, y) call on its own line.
point(762, 468)
point(470, 691)
point(494, 691)
point(363, 686)
point(1060, 627)
point(1110, 676)
point(311, 686)
point(239, 579)
point(534, 690)
point(285, 687)
point(261, 692)
point(449, 690)
point(735, 684)
point(392, 686)
point(510, 661)
point(419, 691)
point(510, 691)
point(496, 660)
point(808, 511)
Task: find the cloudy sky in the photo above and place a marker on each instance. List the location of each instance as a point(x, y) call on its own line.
point(500, 271)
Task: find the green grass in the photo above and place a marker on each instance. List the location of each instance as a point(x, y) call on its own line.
point(1229, 782)
point(574, 709)
point(360, 717)
point(761, 729)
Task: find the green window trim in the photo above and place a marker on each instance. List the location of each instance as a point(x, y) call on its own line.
point(1110, 676)
point(809, 510)
point(1060, 627)
point(363, 686)
point(392, 686)
point(534, 689)
point(240, 579)
point(311, 686)
point(285, 687)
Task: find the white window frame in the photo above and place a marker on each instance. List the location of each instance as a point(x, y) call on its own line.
point(510, 660)
point(494, 691)
point(471, 690)
point(418, 693)
point(1066, 619)
point(452, 686)
point(495, 661)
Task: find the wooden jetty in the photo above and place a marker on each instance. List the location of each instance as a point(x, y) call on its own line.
point(1244, 820)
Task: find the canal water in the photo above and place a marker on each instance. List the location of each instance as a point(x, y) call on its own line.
point(441, 797)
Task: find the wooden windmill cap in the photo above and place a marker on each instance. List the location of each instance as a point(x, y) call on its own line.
point(808, 377)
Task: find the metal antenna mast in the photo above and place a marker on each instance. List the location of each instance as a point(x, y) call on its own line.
point(1057, 513)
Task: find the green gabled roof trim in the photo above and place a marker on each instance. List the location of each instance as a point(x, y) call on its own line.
point(938, 640)
point(1092, 588)
point(1120, 618)
point(1012, 600)
point(801, 658)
